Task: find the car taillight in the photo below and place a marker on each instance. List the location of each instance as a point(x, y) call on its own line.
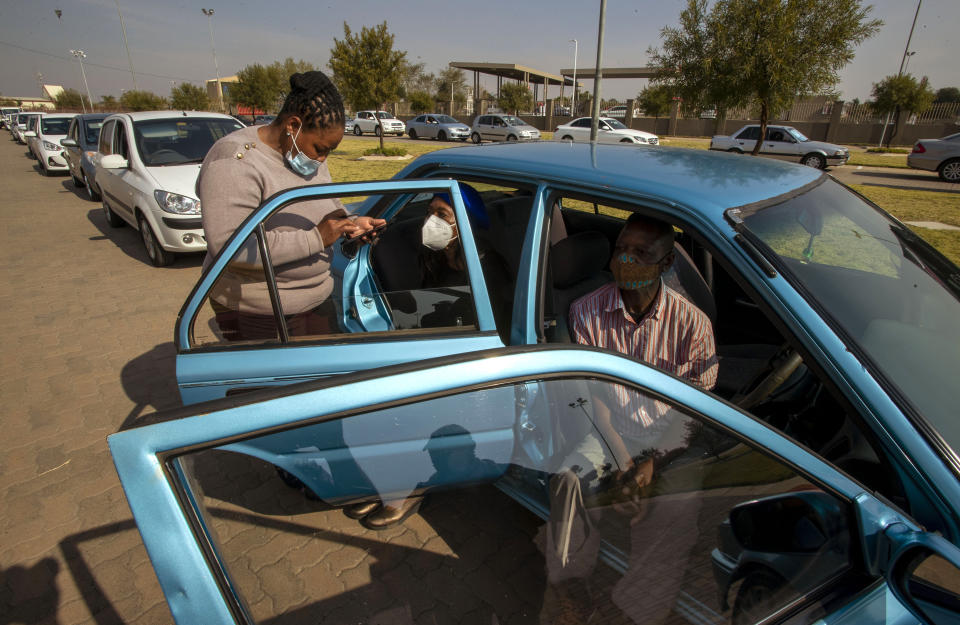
point(919, 149)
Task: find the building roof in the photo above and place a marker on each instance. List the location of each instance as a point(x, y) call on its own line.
point(589, 73)
point(512, 70)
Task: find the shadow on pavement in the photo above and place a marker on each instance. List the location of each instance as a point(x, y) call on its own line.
point(29, 594)
point(940, 186)
point(127, 239)
point(150, 380)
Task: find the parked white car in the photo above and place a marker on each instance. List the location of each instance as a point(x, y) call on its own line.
point(619, 111)
point(146, 169)
point(19, 126)
point(43, 139)
point(784, 143)
point(502, 127)
point(367, 121)
point(609, 130)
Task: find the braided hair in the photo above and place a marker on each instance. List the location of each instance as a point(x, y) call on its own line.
point(315, 100)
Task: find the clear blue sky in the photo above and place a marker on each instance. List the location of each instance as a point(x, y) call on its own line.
point(170, 40)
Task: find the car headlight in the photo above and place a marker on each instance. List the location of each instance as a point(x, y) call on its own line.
point(176, 203)
point(51, 147)
point(839, 152)
point(640, 139)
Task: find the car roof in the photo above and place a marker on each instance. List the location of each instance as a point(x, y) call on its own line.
point(707, 182)
point(138, 116)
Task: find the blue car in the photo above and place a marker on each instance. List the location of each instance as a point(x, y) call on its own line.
point(827, 452)
point(81, 143)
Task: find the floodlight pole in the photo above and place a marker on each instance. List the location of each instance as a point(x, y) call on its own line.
point(123, 31)
point(598, 76)
point(576, 50)
point(216, 66)
point(80, 55)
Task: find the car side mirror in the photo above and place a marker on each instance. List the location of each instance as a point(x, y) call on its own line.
point(925, 575)
point(114, 161)
point(68, 143)
point(29, 133)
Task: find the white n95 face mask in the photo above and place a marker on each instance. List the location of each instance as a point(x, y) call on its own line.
point(436, 234)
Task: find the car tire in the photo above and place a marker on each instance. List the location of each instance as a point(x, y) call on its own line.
point(296, 483)
point(511, 138)
point(43, 169)
point(567, 138)
point(377, 130)
point(625, 141)
point(357, 131)
point(113, 220)
point(950, 170)
point(760, 593)
point(475, 137)
point(442, 136)
point(814, 160)
point(93, 194)
point(158, 256)
point(413, 134)
point(463, 139)
point(76, 181)
point(735, 150)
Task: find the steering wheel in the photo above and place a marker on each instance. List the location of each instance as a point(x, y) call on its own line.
point(780, 367)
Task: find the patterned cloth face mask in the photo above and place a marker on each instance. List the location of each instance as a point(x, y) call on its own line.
point(630, 274)
point(301, 163)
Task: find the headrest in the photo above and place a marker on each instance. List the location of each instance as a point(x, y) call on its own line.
point(578, 257)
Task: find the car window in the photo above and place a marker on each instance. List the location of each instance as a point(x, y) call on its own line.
point(581, 123)
point(514, 522)
point(72, 132)
point(775, 134)
point(55, 125)
point(756, 365)
point(92, 131)
point(751, 133)
point(120, 145)
point(105, 138)
point(178, 141)
point(419, 119)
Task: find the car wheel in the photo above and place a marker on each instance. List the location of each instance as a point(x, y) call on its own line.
point(357, 131)
point(950, 170)
point(814, 160)
point(377, 131)
point(759, 595)
point(413, 134)
point(476, 137)
point(295, 483)
point(511, 138)
point(76, 181)
point(158, 256)
point(567, 138)
point(92, 193)
point(112, 219)
point(43, 168)
point(735, 150)
point(442, 136)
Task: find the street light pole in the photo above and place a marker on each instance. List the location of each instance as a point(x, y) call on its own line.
point(576, 49)
point(80, 55)
point(209, 14)
point(123, 31)
point(903, 62)
point(598, 76)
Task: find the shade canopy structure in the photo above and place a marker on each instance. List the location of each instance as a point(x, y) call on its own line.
point(529, 76)
point(589, 73)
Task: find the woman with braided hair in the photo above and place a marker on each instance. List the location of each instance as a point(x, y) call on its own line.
point(248, 166)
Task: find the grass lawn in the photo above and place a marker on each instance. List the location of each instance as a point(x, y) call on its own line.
point(868, 159)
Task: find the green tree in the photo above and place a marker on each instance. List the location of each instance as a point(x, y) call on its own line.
point(947, 94)
point(759, 52)
point(139, 100)
point(452, 78)
point(655, 100)
point(414, 77)
point(188, 97)
point(107, 103)
point(897, 94)
point(515, 97)
point(264, 87)
point(69, 99)
point(366, 68)
point(421, 101)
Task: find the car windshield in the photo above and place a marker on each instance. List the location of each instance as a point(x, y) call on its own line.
point(179, 140)
point(22, 119)
point(890, 293)
point(92, 134)
point(796, 134)
point(616, 124)
point(510, 120)
point(384, 115)
point(54, 126)
point(446, 119)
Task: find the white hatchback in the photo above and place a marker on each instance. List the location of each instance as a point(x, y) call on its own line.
point(371, 121)
point(44, 142)
point(146, 167)
point(609, 130)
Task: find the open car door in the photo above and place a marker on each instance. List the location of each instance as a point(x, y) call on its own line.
point(383, 314)
point(734, 523)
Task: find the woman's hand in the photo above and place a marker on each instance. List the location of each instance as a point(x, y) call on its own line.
point(332, 227)
point(366, 224)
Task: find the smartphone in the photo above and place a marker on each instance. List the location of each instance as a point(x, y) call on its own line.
point(351, 245)
point(376, 230)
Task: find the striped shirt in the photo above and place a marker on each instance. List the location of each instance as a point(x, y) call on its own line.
point(674, 335)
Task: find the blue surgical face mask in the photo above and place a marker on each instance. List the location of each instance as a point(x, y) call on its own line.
point(301, 163)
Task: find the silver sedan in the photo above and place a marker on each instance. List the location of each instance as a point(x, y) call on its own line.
point(442, 127)
point(939, 155)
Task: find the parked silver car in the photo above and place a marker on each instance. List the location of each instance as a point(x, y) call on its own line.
point(939, 155)
point(502, 128)
point(442, 127)
point(784, 143)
